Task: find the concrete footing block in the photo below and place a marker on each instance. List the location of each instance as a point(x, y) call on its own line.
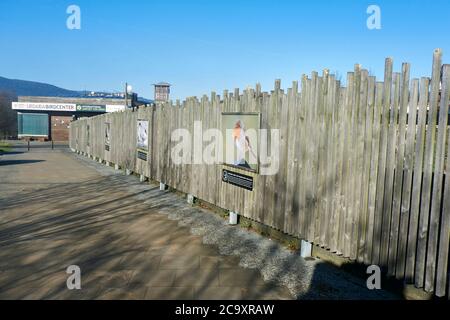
point(410, 292)
point(108, 164)
point(100, 160)
point(142, 178)
point(163, 186)
point(190, 199)
point(116, 167)
point(128, 172)
point(233, 218)
point(305, 249)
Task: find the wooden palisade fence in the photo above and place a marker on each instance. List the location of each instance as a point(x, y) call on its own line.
point(361, 168)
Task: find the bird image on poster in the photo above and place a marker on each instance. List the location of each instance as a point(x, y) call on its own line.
point(142, 135)
point(107, 134)
point(88, 135)
point(240, 130)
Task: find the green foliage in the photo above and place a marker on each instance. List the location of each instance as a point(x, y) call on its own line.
point(293, 245)
point(4, 147)
point(246, 224)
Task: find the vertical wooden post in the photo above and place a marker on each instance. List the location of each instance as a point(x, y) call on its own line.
point(417, 180)
point(390, 172)
point(438, 183)
point(407, 184)
point(428, 169)
point(398, 179)
point(382, 161)
point(444, 241)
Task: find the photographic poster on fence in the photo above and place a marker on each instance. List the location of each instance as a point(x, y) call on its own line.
point(142, 139)
point(240, 131)
point(88, 135)
point(107, 136)
point(142, 135)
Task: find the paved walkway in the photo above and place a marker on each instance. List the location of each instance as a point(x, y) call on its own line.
point(57, 212)
point(59, 209)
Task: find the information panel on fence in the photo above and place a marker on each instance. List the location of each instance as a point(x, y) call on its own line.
point(358, 169)
point(237, 179)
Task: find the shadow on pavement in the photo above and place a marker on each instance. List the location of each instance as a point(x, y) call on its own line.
point(18, 162)
point(11, 153)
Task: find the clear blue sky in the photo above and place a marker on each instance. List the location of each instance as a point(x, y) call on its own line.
point(200, 45)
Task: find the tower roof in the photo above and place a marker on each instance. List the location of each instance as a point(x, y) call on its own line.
point(162, 84)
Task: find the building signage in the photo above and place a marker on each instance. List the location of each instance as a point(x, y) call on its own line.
point(66, 107)
point(237, 179)
point(114, 108)
point(91, 108)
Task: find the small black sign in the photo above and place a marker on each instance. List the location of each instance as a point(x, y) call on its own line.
point(106, 147)
point(142, 155)
point(237, 179)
